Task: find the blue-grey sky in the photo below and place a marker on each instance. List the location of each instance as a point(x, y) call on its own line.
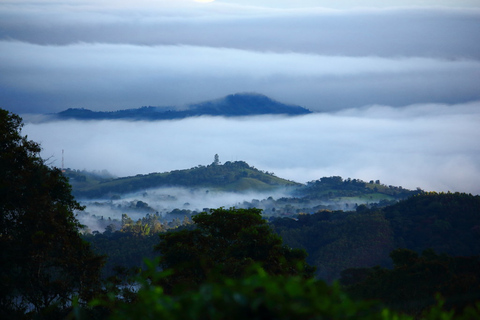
point(398, 83)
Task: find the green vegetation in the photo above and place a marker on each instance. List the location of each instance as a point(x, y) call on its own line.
point(44, 262)
point(446, 222)
point(328, 188)
point(231, 176)
point(228, 243)
point(258, 296)
point(336, 240)
point(212, 272)
point(415, 280)
point(127, 247)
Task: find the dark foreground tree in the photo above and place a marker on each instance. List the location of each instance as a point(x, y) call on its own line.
point(44, 262)
point(227, 242)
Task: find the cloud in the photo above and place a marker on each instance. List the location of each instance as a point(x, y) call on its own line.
point(383, 32)
point(109, 77)
point(398, 83)
point(109, 55)
point(429, 146)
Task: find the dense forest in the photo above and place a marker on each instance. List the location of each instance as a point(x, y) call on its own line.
point(415, 258)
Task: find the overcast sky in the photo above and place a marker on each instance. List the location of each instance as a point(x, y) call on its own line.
point(323, 55)
point(398, 83)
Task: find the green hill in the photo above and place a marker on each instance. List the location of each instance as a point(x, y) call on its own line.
point(326, 193)
point(231, 176)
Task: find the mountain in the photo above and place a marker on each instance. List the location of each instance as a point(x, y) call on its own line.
point(235, 105)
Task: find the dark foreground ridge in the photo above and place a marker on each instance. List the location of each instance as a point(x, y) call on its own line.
point(234, 105)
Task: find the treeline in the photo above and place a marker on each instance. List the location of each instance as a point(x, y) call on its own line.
point(335, 186)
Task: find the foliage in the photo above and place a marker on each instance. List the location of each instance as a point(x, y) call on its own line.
point(338, 240)
point(330, 187)
point(226, 242)
point(413, 282)
point(257, 296)
point(127, 247)
point(230, 176)
point(446, 222)
point(122, 249)
point(44, 260)
point(335, 240)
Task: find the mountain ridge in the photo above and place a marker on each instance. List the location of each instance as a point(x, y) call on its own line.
point(233, 105)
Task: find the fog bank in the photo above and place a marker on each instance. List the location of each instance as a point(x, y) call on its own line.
point(431, 146)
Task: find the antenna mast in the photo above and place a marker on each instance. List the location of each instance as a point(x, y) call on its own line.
point(63, 163)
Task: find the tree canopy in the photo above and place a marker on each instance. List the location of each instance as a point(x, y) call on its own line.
point(227, 242)
point(44, 261)
point(411, 285)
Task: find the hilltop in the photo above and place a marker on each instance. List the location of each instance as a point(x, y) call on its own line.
point(239, 176)
point(234, 176)
point(234, 105)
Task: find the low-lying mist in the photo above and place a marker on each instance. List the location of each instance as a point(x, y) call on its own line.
point(431, 146)
point(163, 201)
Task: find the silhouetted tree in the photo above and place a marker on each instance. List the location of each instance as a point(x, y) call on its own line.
point(44, 261)
point(227, 242)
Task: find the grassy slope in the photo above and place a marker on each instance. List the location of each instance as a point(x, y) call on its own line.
point(231, 176)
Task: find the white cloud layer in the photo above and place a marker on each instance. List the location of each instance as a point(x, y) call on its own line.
point(419, 58)
point(434, 147)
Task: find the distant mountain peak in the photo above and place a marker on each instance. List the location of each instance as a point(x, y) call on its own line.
point(233, 105)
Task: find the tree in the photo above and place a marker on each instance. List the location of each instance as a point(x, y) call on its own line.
point(411, 285)
point(258, 296)
point(227, 242)
point(216, 160)
point(44, 261)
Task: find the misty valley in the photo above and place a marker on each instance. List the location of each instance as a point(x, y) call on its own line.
point(236, 184)
point(343, 224)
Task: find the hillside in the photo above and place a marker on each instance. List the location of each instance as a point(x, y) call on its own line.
point(231, 176)
point(244, 104)
point(239, 176)
point(336, 240)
